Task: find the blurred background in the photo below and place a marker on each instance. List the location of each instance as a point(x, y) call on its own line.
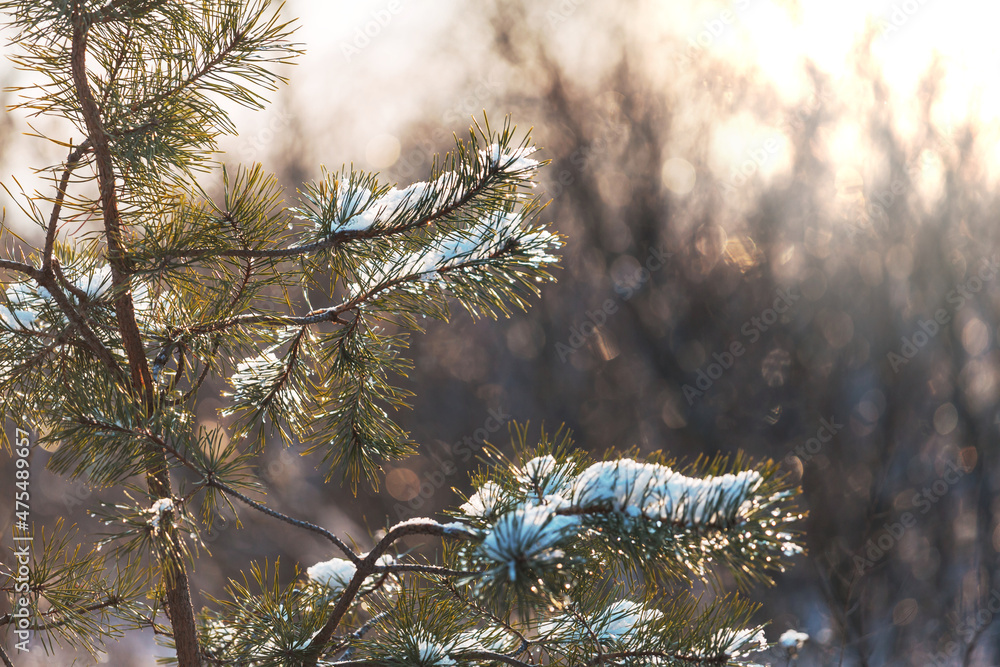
point(781, 239)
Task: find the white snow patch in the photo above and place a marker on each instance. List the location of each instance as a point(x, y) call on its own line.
point(792, 639)
point(96, 283)
point(528, 533)
point(476, 243)
point(613, 623)
point(509, 159)
point(156, 512)
point(371, 209)
point(484, 501)
point(335, 573)
point(741, 643)
point(656, 491)
point(17, 318)
point(544, 474)
point(433, 654)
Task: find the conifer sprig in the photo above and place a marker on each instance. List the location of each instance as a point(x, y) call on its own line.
point(304, 309)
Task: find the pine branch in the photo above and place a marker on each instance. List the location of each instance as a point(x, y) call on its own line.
point(48, 281)
point(547, 554)
point(112, 601)
point(344, 236)
point(677, 524)
point(423, 569)
point(210, 480)
point(489, 656)
point(116, 69)
point(606, 658)
point(119, 10)
point(178, 596)
point(494, 657)
point(333, 314)
point(70, 287)
point(131, 340)
point(195, 76)
point(190, 392)
point(525, 643)
point(19, 267)
point(367, 567)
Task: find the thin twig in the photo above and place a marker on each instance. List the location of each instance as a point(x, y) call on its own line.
point(493, 617)
point(333, 314)
point(5, 657)
point(20, 267)
point(367, 567)
point(225, 488)
point(76, 291)
point(112, 601)
point(50, 233)
point(189, 392)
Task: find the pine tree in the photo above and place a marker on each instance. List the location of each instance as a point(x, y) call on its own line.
point(107, 338)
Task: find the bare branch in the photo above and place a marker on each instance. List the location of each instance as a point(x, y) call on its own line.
point(50, 233)
point(368, 566)
point(5, 657)
point(225, 488)
point(334, 313)
point(26, 269)
point(178, 595)
point(76, 291)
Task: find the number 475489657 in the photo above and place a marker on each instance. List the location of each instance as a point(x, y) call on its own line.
point(22, 463)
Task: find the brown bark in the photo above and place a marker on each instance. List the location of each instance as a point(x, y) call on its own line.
point(178, 594)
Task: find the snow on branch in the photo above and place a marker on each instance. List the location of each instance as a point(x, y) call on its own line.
point(547, 517)
point(486, 179)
